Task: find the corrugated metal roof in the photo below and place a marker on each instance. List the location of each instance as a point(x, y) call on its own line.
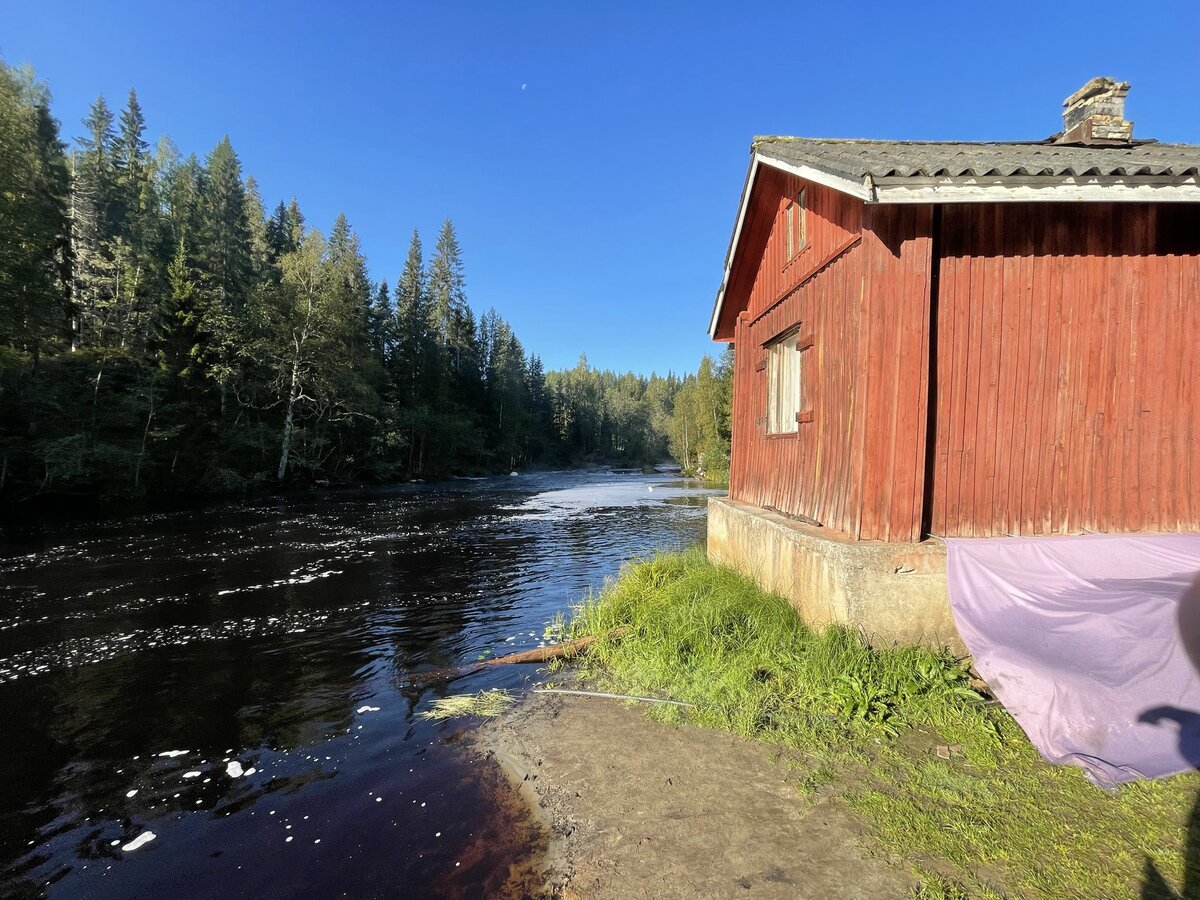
point(855, 159)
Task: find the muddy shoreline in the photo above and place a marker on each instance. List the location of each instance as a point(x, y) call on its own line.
point(634, 808)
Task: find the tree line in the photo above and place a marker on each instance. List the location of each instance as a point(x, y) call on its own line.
point(162, 332)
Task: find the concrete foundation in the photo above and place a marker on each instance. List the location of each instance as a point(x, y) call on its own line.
point(896, 593)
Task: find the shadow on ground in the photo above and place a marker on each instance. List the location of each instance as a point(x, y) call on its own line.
point(1154, 885)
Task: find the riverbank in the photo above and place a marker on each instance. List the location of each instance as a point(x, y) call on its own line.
point(841, 757)
point(634, 808)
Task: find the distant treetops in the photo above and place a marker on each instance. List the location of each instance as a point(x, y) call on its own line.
point(160, 332)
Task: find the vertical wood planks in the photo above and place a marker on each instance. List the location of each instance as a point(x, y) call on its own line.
point(1074, 394)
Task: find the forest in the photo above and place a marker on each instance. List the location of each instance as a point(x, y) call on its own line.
point(162, 333)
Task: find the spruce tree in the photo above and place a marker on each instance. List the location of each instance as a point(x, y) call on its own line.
point(224, 254)
point(447, 287)
point(224, 248)
point(261, 250)
point(34, 253)
point(132, 202)
point(413, 342)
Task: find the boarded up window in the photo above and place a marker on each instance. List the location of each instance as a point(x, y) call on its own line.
point(797, 227)
point(784, 384)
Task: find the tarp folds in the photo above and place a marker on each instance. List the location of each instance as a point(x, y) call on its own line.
point(1091, 642)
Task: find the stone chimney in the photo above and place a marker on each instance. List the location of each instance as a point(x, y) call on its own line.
point(1095, 114)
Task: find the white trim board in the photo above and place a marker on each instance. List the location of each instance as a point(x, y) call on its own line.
point(1039, 188)
point(855, 188)
point(743, 205)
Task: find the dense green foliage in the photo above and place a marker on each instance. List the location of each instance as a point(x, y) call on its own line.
point(160, 332)
point(699, 427)
point(992, 820)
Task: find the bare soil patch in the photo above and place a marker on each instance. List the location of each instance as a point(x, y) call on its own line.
point(635, 808)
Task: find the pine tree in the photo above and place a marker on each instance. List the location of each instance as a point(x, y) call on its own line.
point(382, 327)
point(295, 221)
point(261, 250)
point(224, 255)
point(447, 288)
point(94, 190)
point(177, 184)
point(34, 253)
point(279, 233)
point(413, 341)
point(225, 240)
point(132, 202)
point(178, 326)
point(134, 243)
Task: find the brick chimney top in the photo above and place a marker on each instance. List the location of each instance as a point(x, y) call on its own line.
point(1095, 115)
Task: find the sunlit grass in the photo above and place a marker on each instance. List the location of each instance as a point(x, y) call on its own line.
point(993, 820)
point(486, 704)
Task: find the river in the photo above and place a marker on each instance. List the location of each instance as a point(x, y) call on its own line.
point(243, 682)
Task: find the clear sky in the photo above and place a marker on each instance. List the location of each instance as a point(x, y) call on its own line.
point(590, 154)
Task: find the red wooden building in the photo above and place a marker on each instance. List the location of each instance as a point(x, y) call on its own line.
point(956, 340)
point(969, 339)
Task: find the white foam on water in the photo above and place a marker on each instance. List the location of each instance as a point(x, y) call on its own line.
point(71, 652)
point(192, 774)
point(174, 753)
point(367, 709)
point(234, 769)
point(140, 841)
point(570, 502)
point(131, 793)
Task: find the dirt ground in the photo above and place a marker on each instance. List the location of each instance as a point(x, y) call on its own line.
point(635, 808)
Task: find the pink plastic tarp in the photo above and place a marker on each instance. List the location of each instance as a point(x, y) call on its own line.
point(1091, 642)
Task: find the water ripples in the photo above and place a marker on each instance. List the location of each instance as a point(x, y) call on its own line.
point(283, 634)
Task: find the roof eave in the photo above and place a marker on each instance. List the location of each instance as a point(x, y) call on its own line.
point(901, 189)
point(855, 186)
point(738, 222)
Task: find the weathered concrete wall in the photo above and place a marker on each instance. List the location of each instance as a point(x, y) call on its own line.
point(895, 592)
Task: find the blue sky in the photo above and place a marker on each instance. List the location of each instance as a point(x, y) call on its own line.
point(590, 155)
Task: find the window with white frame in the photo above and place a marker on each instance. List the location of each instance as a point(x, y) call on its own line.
point(785, 382)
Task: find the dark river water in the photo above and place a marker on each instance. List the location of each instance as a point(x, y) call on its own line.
point(243, 682)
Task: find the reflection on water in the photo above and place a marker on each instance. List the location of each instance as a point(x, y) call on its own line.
point(235, 681)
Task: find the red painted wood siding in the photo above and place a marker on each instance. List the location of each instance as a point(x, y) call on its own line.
point(1068, 369)
point(861, 289)
point(833, 218)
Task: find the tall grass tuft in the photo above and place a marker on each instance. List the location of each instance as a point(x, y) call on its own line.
point(706, 635)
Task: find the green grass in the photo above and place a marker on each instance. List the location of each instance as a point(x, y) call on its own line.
point(994, 820)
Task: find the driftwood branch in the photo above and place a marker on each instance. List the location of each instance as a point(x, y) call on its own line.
point(565, 650)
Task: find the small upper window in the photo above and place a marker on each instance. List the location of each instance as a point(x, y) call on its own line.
point(795, 216)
